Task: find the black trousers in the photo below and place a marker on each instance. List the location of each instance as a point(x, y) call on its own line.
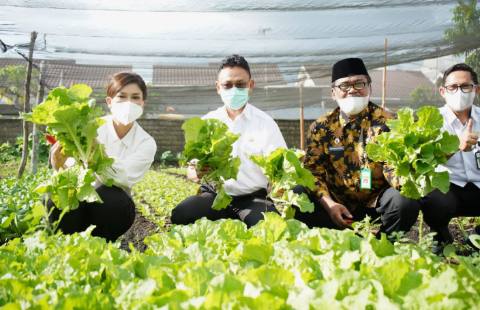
point(396, 212)
point(247, 208)
point(439, 208)
point(112, 218)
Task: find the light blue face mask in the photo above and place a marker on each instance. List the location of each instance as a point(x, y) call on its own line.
point(235, 98)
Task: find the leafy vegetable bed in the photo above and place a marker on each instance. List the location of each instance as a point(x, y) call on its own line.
point(215, 265)
point(221, 265)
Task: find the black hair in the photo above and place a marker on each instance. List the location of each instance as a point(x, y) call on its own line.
point(460, 67)
point(235, 61)
point(121, 79)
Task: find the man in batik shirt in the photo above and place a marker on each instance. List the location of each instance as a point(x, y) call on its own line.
point(349, 186)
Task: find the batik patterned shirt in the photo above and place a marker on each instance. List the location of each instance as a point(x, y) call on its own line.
point(336, 154)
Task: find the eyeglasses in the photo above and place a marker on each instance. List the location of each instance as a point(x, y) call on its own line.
point(466, 88)
point(358, 85)
point(239, 84)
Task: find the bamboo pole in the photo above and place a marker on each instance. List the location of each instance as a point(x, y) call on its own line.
point(26, 105)
point(302, 118)
point(384, 86)
point(36, 132)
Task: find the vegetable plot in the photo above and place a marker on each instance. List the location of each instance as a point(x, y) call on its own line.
point(21, 209)
point(210, 142)
point(73, 119)
point(276, 264)
point(414, 148)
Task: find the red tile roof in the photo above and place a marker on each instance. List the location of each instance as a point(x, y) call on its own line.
point(205, 75)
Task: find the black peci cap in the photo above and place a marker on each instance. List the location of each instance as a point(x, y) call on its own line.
point(347, 67)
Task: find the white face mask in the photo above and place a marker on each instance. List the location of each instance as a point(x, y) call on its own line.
point(459, 101)
point(126, 112)
point(353, 105)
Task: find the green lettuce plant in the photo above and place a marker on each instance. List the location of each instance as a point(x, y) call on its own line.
point(284, 171)
point(415, 148)
point(210, 143)
point(73, 118)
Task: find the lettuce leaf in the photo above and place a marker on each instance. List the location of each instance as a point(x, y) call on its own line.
point(73, 118)
point(210, 142)
point(284, 171)
point(415, 148)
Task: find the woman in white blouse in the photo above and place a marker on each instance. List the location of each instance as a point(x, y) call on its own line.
point(133, 151)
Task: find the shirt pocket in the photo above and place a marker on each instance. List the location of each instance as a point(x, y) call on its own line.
point(251, 145)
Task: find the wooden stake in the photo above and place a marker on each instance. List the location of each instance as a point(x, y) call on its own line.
point(302, 119)
point(26, 105)
point(384, 87)
point(36, 133)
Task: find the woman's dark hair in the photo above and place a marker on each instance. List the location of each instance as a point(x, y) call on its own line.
point(460, 67)
point(121, 79)
point(235, 61)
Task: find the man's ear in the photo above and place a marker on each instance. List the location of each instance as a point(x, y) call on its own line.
point(218, 87)
point(251, 86)
point(441, 91)
point(108, 100)
point(333, 94)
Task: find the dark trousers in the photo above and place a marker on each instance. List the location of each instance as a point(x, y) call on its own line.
point(112, 218)
point(396, 212)
point(439, 208)
point(247, 208)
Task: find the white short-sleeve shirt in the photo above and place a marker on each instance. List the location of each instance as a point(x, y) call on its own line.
point(259, 134)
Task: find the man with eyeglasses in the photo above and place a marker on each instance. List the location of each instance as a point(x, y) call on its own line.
point(259, 134)
point(461, 118)
point(349, 186)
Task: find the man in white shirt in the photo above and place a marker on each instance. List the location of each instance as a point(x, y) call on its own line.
point(462, 118)
point(259, 134)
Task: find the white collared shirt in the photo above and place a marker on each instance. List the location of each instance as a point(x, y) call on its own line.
point(259, 134)
point(462, 166)
point(133, 154)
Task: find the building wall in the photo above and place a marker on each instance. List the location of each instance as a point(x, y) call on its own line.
point(167, 133)
point(10, 129)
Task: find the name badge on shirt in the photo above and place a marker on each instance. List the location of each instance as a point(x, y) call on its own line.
point(477, 159)
point(336, 150)
point(365, 178)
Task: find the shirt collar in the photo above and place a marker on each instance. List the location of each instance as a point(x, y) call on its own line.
point(247, 112)
point(344, 119)
point(127, 139)
point(474, 114)
point(450, 116)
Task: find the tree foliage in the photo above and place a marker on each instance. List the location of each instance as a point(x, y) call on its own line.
point(12, 84)
point(466, 31)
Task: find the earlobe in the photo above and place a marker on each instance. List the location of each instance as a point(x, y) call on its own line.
point(108, 100)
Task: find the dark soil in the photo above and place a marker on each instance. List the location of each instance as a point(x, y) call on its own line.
point(459, 228)
point(141, 228)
